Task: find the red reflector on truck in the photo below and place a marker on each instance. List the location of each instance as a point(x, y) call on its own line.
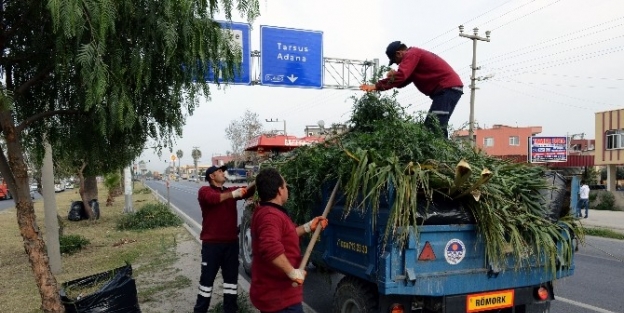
point(427, 253)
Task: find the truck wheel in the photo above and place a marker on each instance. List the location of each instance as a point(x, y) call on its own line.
point(354, 295)
point(245, 241)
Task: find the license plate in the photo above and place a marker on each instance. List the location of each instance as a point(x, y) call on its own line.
point(489, 301)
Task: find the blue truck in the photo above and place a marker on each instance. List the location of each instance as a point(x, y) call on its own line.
point(441, 269)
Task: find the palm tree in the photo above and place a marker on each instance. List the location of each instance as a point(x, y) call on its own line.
point(179, 154)
point(196, 155)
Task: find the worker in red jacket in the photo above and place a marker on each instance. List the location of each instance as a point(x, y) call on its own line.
point(430, 74)
point(275, 246)
point(219, 237)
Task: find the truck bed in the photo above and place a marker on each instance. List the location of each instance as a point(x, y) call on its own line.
point(454, 264)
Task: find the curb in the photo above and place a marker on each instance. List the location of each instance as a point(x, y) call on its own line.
point(192, 226)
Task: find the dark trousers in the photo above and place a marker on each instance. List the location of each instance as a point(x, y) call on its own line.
point(583, 204)
point(225, 257)
point(442, 108)
point(297, 308)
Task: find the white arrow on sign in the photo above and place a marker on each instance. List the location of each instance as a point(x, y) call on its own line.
point(292, 78)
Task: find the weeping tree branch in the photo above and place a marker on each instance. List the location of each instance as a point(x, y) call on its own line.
point(19, 128)
point(34, 80)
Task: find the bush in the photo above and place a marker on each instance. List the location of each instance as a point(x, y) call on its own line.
point(150, 216)
point(144, 190)
point(71, 244)
point(607, 202)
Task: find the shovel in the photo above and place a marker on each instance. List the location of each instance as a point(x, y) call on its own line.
point(317, 232)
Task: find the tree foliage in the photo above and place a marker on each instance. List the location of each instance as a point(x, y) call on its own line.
point(100, 77)
point(241, 131)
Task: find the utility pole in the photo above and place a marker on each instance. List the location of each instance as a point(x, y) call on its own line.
point(473, 77)
point(277, 121)
point(128, 189)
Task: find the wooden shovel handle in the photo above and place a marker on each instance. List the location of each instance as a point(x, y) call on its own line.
point(317, 232)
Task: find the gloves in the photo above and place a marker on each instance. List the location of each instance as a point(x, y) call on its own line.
point(368, 88)
point(314, 223)
point(297, 276)
point(239, 193)
point(390, 73)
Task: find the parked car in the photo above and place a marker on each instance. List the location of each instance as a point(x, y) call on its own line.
point(34, 187)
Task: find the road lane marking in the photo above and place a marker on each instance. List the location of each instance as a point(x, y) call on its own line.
point(583, 305)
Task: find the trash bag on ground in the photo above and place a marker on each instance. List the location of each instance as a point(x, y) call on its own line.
point(553, 199)
point(113, 291)
point(77, 211)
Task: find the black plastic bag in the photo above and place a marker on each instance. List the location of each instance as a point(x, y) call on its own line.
point(117, 294)
point(442, 211)
point(76, 211)
point(553, 200)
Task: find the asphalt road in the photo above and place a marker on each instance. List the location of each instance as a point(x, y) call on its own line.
point(5, 204)
point(596, 286)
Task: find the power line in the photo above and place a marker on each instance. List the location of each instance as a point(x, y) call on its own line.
point(569, 60)
point(558, 94)
point(563, 51)
point(466, 22)
point(533, 96)
point(523, 16)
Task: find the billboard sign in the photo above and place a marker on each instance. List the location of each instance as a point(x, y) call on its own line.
point(548, 149)
point(291, 57)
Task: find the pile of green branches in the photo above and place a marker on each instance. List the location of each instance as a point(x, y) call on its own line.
point(387, 151)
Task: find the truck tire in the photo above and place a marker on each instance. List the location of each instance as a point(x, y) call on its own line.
point(354, 295)
point(244, 236)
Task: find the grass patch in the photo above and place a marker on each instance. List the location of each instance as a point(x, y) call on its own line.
point(603, 232)
point(109, 248)
point(71, 244)
point(150, 216)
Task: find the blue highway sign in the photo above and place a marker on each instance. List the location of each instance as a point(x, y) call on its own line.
point(291, 57)
point(241, 37)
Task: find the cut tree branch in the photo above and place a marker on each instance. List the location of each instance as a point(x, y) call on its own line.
point(19, 128)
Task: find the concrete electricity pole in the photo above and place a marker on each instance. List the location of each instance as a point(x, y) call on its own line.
point(277, 121)
point(473, 77)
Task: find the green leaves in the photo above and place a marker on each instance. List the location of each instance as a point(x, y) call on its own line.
point(388, 153)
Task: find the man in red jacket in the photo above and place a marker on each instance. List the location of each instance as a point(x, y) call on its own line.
point(219, 237)
point(430, 74)
point(275, 246)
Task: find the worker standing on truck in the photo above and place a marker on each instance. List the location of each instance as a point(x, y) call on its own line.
point(275, 246)
point(430, 74)
point(219, 237)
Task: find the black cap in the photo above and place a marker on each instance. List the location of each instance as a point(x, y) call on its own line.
point(391, 51)
point(213, 169)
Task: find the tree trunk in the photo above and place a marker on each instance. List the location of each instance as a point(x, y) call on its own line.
point(83, 194)
point(91, 188)
point(15, 173)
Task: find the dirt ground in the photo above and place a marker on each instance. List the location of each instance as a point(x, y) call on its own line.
point(182, 298)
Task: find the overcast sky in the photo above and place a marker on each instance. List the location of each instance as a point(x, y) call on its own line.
point(554, 64)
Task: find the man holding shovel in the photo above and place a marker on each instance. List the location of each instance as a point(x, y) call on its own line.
point(276, 275)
